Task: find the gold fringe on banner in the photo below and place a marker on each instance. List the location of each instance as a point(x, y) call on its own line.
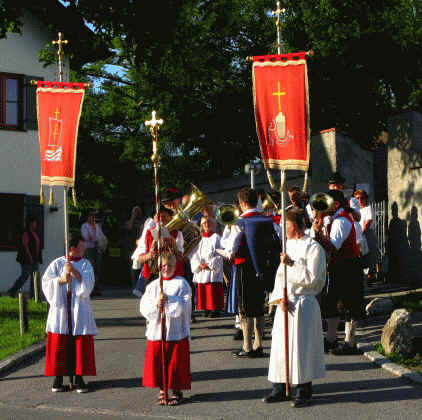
point(51, 200)
point(271, 180)
point(75, 203)
point(305, 182)
point(42, 198)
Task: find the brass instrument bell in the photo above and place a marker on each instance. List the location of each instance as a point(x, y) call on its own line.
point(321, 202)
point(227, 214)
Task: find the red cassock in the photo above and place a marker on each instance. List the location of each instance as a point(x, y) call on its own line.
point(209, 296)
point(56, 355)
point(178, 367)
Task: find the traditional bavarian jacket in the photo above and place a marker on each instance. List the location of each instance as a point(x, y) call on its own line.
point(343, 236)
point(254, 240)
point(205, 253)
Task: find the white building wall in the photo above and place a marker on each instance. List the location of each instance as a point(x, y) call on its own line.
point(19, 151)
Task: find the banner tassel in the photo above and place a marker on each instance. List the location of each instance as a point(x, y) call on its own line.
point(305, 182)
point(282, 179)
point(75, 203)
point(51, 200)
point(271, 180)
point(42, 198)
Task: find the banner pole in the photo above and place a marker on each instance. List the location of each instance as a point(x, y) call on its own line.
point(70, 361)
point(278, 12)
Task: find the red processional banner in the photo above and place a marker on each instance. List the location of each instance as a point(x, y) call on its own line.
point(281, 102)
point(59, 107)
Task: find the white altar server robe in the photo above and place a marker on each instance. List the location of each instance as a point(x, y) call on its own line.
point(83, 322)
point(177, 309)
point(305, 279)
point(205, 252)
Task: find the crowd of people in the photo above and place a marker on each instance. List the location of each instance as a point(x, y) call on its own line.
point(321, 266)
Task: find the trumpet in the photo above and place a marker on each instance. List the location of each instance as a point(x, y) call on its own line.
point(227, 214)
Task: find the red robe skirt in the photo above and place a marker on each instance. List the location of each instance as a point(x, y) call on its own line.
point(178, 365)
point(209, 296)
point(56, 352)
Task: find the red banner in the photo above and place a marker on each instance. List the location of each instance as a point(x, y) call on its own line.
point(281, 101)
point(59, 107)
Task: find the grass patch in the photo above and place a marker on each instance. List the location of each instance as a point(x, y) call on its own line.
point(10, 339)
point(411, 301)
point(413, 363)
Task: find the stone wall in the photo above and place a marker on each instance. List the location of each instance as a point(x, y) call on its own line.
point(405, 197)
point(332, 151)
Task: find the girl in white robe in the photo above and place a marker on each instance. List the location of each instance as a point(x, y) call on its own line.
point(207, 269)
point(176, 301)
point(74, 354)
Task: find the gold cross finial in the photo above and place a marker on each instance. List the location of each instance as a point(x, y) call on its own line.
point(154, 123)
point(60, 43)
point(154, 126)
point(278, 12)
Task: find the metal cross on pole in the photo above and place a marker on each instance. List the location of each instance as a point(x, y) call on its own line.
point(278, 13)
point(60, 54)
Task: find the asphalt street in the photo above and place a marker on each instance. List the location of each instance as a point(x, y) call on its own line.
point(223, 387)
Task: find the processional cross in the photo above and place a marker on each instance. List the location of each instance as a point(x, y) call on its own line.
point(278, 12)
point(154, 126)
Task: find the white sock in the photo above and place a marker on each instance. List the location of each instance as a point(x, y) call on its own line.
point(350, 331)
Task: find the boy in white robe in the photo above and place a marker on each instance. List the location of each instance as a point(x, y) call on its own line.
point(70, 354)
point(305, 261)
point(207, 269)
point(176, 303)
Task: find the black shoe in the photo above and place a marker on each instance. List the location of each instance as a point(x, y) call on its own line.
point(259, 352)
point(213, 314)
point(193, 319)
point(301, 402)
point(80, 385)
point(329, 346)
point(304, 395)
point(244, 354)
point(345, 350)
point(238, 335)
point(276, 397)
point(58, 384)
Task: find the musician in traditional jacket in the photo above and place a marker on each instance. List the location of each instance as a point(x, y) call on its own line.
point(74, 355)
point(345, 274)
point(147, 249)
point(306, 272)
point(176, 302)
point(254, 248)
point(207, 269)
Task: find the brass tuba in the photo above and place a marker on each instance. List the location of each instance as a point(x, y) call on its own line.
point(182, 220)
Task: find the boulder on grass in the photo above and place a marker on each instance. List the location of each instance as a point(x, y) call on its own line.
point(379, 306)
point(398, 333)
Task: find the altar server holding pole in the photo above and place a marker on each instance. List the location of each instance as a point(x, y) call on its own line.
point(306, 270)
point(173, 298)
point(76, 356)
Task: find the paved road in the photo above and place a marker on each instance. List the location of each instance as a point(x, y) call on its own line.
point(222, 387)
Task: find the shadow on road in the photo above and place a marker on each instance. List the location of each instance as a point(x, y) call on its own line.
point(120, 322)
point(370, 391)
point(208, 375)
point(116, 383)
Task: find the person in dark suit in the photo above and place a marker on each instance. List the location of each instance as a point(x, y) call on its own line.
point(29, 256)
point(255, 251)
